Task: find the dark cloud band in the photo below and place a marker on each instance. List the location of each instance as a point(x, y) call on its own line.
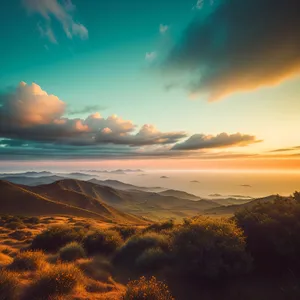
point(240, 45)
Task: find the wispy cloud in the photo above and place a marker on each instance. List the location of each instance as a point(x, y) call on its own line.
point(62, 12)
point(163, 28)
point(150, 56)
point(222, 140)
point(238, 46)
point(86, 109)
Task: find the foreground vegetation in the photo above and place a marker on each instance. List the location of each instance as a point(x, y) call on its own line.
point(253, 255)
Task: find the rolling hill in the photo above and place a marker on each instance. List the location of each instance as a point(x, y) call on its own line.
point(231, 209)
point(54, 200)
point(147, 204)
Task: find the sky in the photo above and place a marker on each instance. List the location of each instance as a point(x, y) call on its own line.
point(162, 84)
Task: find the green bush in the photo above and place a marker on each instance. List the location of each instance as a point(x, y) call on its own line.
point(210, 248)
point(71, 252)
point(28, 261)
point(126, 231)
point(8, 285)
point(136, 245)
point(272, 231)
point(143, 289)
point(153, 259)
point(159, 227)
point(57, 236)
point(59, 280)
point(102, 242)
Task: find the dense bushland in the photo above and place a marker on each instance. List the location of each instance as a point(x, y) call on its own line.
point(272, 233)
point(57, 236)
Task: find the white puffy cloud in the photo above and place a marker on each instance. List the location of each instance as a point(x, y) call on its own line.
point(29, 112)
point(30, 106)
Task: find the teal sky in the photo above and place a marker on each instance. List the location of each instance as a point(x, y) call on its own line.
point(108, 68)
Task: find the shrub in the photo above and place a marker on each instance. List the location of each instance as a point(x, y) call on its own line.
point(98, 268)
point(210, 248)
point(153, 259)
point(158, 227)
point(32, 220)
point(59, 280)
point(272, 231)
point(102, 242)
point(28, 261)
point(126, 231)
point(57, 236)
point(136, 245)
point(20, 235)
point(71, 252)
point(15, 225)
point(8, 285)
point(144, 289)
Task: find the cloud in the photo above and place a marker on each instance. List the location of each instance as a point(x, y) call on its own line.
point(239, 46)
point(47, 32)
point(222, 140)
point(29, 105)
point(49, 9)
point(199, 4)
point(31, 113)
point(286, 149)
point(150, 56)
point(12, 143)
point(86, 109)
point(163, 28)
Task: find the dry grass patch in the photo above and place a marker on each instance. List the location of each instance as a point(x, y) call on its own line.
point(58, 280)
point(97, 268)
point(71, 252)
point(8, 285)
point(28, 261)
point(143, 289)
point(4, 260)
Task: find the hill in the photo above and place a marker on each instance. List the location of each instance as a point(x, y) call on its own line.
point(231, 209)
point(32, 181)
point(180, 194)
point(147, 204)
point(54, 200)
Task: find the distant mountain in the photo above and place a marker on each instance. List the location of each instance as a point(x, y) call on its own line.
point(75, 175)
point(32, 181)
point(143, 203)
point(125, 186)
point(180, 194)
point(27, 174)
point(53, 199)
point(118, 171)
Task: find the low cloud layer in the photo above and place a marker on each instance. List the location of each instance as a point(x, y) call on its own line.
point(62, 12)
point(239, 46)
point(223, 140)
point(34, 115)
point(33, 125)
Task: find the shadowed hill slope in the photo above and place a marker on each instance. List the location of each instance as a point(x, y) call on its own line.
point(231, 209)
point(53, 199)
